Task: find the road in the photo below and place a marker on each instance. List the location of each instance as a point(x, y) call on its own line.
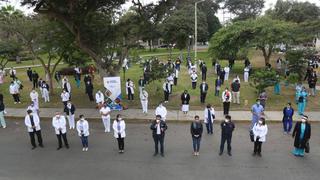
point(102, 161)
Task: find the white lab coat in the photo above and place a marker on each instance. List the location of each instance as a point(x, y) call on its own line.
point(122, 131)
point(59, 124)
point(194, 77)
point(226, 75)
point(36, 121)
point(35, 99)
point(85, 126)
point(65, 97)
point(260, 131)
point(224, 97)
point(206, 114)
point(14, 89)
point(162, 111)
point(131, 86)
point(99, 98)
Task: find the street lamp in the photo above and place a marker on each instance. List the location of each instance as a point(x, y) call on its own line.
point(196, 29)
point(189, 44)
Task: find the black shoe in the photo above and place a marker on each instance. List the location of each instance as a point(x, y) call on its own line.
point(155, 154)
point(229, 153)
point(259, 154)
point(67, 146)
point(162, 154)
point(59, 148)
point(254, 153)
point(41, 145)
point(220, 153)
point(33, 147)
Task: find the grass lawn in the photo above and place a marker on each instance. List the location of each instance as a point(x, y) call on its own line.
point(80, 99)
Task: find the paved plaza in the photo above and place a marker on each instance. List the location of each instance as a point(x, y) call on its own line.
point(102, 161)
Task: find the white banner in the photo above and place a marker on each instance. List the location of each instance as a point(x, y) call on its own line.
point(113, 92)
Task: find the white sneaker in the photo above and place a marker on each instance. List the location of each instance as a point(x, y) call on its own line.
point(87, 149)
point(4, 127)
point(83, 149)
point(15, 102)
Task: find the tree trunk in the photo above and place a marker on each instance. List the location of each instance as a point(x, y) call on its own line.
point(266, 54)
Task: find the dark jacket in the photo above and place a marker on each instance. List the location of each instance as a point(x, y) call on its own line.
point(163, 126)
point(29, 73)
point(296, 134)
point(235, 87)
point(67, 110)
point(86, 79)
point(204, 69)
point(287, 116)
point(141, 82)
point(89, 88)
point(185, 100)
point(196, 129)
point(1, 106)
point(227, 128)
point(35, 76)
point(218, 82)
point(205, 88)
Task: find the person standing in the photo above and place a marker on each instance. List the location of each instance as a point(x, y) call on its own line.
point(130, 89)
point(87, 78)
point(246, 74)
point(166, 90)
point(57, 77)
point(194, 78)
point(312, 81)
point(144, 100)
point(45, 91)
point(260, 131)
point(34, 96)
point(2, 112)
point(83, 132)
point(218, 84)
point(162, 111)
point(29, 74)
point(196, 130)
point(204, 71)
point(60, 127)
point(32, 123)
point(91, 71)
point(70, 110)
point(277, 88)
point(66, 85)
point(185, 98)
point(226, 71)
point(99, 99)
point(257, 111)
point(301, 135)
point(158, 128)
point(14, 91)
point(235, 88)
point(119, 129)
point(33, 108)
point(141, 83)
point(209, 116)
point(226, 99)
point(65, 97)
point(77, 76)
point(302, 101)
point(35, 78)
point(263, 98)
point(40, 82)
point(13, 73)
point(222, 76)
point(227, 128)
point(89, 90)
point(105, 116)
point(288, 113)
point(203, 91)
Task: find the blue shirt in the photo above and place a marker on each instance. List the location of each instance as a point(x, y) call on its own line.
point(303, 129)
point(258, 109)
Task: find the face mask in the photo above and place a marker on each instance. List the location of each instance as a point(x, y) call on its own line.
point(303, 120)
point(158, 120)
point(260, 122)
point(258, 103)
point(226, 120)
point(58, 116)
point(119, 119)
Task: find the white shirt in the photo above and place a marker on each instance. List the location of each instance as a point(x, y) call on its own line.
point(122, 131)
point(105, 110)
point(260, 131)
point(99, 97)
point(194, 77)
point(13, 89)
point(226, 69)
point(36, 121)
point(158, 129)
point(65, 96)
point(59, 124)
point(83, 128)
point(34, 95)
point(33, 109)
point(162, 111)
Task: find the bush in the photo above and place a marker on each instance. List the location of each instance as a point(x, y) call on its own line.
point(68, 71)
point(264, 78)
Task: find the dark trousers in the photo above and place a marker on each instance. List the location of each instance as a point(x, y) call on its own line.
point(226, 106)
point(16, 97)
point(287, 125)
point(120, 143)
point(203, 97)
point(130, 95)
point(166, 95)
point(64, 137)
point(225, 138)
point(194, 85)
point(91, 96)
point(32, 139)
point(65, 103)
point(209, 128)
point(175, 81)
point(204, 76)
point(30, 78)
point(84, 141)
point(196, 143)
point(216, 92)
point(35, 83)
point(158, 139)
point(257, 147)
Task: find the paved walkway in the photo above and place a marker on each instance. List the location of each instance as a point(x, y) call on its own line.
point(173, 115)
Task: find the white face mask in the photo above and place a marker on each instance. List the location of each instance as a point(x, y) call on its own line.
point(226, 120)
point(303, 120)
point(260, 122)
point(58, 116)
point(119, 119)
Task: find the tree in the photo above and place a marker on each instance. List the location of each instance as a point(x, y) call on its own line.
point(263, 78)
point(262, 33)
point(94, 26)
point(244, 9)
point(9, 49)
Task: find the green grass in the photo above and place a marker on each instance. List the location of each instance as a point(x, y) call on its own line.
point(80, 99)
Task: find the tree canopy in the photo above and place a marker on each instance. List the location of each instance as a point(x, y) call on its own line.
point(244, 9)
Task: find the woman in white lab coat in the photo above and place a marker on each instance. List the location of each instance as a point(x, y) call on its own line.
point(119, 127)
point(83, 132)
point(260, 131)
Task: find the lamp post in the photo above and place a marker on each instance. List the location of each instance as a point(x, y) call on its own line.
point(189, 44)
point(196, 29)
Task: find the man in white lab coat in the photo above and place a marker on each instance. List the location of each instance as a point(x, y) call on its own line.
point(65, 97)
point(105, 116)
point(162, 111)
point(60, 127)
point(34, 96)
point(32, 122)
point(99, 99)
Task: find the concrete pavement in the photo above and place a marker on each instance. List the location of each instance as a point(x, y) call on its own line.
point(173, 115)
point(19, 162)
